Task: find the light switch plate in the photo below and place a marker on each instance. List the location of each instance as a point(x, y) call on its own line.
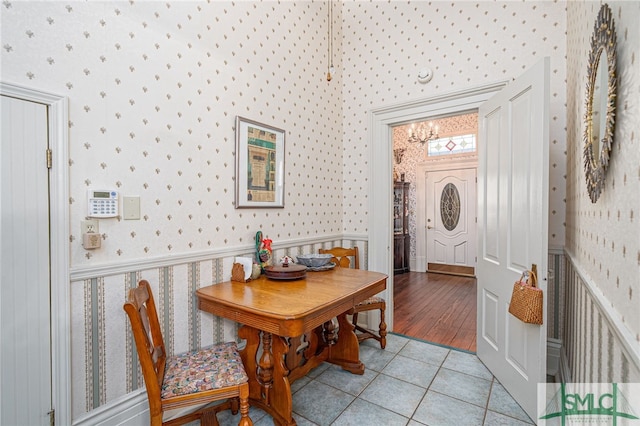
point(131, 208)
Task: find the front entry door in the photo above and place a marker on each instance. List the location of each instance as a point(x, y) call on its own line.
point(513, 192)
point(451, 221)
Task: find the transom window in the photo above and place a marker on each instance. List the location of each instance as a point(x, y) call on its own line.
point(452, 145)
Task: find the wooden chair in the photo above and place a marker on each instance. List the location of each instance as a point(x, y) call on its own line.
point(191, 380)
point(342, 258)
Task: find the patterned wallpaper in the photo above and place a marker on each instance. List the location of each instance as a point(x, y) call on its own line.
point(604, 238)
point(467, 44)
point(154, 88)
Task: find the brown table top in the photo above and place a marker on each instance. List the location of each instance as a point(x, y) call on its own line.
point(291, 308)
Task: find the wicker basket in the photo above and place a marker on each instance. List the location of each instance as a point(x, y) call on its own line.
point(527, 299)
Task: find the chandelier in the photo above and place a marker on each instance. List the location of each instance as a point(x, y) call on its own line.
point(422, 134)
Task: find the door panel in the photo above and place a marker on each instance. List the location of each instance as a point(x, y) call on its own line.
point(25, 330)
point(516, 345)
point(520, 202)
point(513, 180)
point(461, 253)
point(491, 212)
point(490, 318)
point(440, 252)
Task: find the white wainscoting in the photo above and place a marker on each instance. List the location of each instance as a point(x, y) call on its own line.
point(107, 384)
point(597, 346)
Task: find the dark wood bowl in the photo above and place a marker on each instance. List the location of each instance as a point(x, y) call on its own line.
point(289, 272)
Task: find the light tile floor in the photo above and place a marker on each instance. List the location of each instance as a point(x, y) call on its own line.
point(409, 383)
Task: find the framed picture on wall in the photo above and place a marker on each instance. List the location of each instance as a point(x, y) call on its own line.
point(259, 164)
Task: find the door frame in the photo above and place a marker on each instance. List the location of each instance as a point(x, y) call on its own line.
point(58, 135)
point(381, 121)
point(422, 169)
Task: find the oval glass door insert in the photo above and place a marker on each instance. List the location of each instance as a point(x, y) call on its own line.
point(450, 206)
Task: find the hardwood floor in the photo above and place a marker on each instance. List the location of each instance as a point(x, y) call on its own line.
point(437, 308)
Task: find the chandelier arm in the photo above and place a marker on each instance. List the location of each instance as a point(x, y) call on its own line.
point(426, 136)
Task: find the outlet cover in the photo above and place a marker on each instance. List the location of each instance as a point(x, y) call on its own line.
point(89, 226)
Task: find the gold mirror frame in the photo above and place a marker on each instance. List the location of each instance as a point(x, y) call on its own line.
point(598, 138)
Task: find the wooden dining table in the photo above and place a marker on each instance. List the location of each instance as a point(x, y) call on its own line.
point(289, 328)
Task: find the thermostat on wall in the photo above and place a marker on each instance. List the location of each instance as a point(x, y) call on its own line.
point(102, 203)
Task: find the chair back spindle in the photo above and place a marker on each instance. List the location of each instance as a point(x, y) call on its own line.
point(342, 256)
point(141, 309)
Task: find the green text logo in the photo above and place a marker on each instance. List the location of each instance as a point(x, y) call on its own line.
point(592, 403)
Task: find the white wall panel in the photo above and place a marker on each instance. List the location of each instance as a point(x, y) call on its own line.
point(25, 321)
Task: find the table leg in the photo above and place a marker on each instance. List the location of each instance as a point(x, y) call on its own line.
point(346, 351)
point(269, 387)
point(249, 358)
point(330, 335)
point(265, 367)
point(281, 401)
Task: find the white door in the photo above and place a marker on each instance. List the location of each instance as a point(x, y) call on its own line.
point(513, 180)
point(451, 217)
point(25, 322)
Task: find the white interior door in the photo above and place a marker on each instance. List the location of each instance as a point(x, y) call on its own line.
point(451, 216)
point(513, 181)
point(25, 322)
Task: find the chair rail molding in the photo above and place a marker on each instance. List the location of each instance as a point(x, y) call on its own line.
point(106, 269)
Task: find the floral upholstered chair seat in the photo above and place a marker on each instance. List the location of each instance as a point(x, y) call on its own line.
point(371, 300)
point(213, 367)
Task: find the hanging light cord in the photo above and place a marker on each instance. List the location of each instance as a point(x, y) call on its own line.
point(330, 41)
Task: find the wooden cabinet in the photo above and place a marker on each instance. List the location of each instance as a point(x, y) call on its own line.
point(401, 239)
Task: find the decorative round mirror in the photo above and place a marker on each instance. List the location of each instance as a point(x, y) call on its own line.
point(600, 102)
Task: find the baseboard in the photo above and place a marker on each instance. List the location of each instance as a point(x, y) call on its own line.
point(418, 264)
point(554, 350)
point(564, 374)
point(130, 410)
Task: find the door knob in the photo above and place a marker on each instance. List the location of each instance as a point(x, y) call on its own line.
point(429, 227)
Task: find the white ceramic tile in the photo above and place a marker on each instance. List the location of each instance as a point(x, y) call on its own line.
point(396, 395)
point(462, 386)
point(439, 409)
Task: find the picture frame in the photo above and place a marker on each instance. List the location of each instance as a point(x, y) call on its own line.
point(260, 150)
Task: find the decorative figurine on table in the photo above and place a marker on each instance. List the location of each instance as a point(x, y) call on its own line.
point(264, 252)
point(256, 271)
point(286, 260)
